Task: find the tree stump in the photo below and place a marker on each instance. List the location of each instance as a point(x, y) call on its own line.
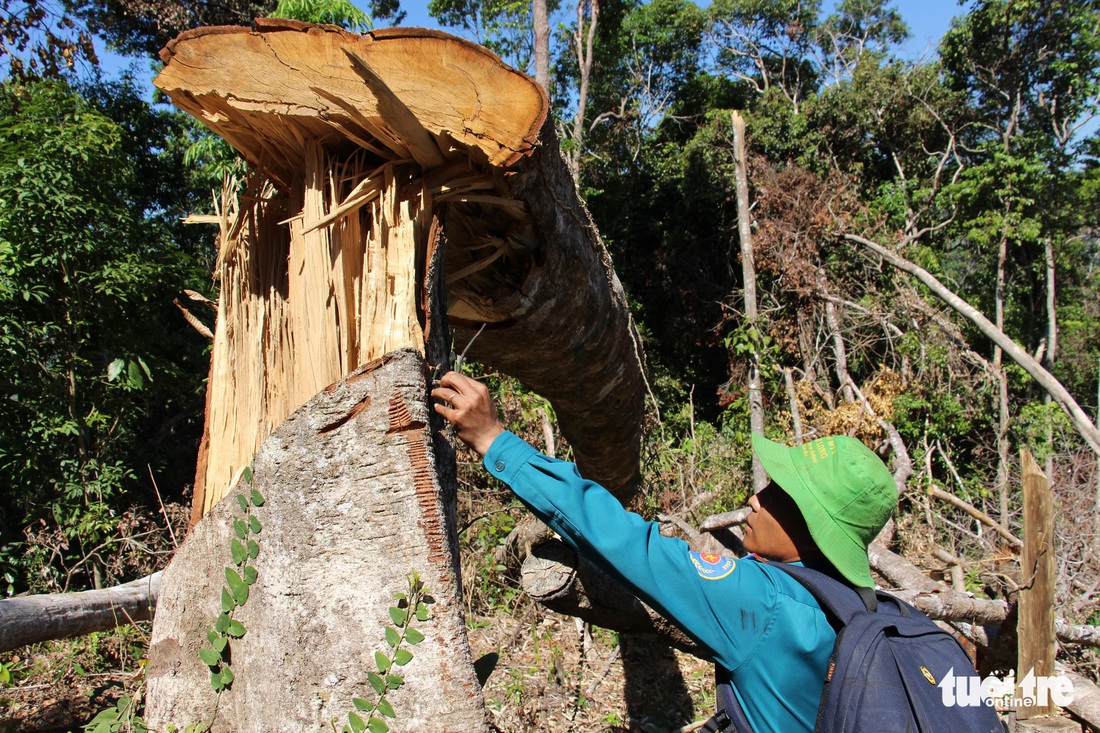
point(358, 493)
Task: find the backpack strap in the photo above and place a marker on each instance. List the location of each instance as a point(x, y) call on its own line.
point(730, 717)
point(842, 602)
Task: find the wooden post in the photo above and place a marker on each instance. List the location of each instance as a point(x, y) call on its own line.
point(748, 271)
point(1035, 626)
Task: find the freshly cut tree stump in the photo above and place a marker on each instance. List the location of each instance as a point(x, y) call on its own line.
point(354, 501)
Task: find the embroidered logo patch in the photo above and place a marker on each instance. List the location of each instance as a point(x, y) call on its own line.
point(712, 567)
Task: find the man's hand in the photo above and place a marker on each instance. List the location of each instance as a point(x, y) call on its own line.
point(467, 405)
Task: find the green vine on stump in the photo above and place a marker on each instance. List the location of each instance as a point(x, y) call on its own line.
point(410, 606)
point(239, 577)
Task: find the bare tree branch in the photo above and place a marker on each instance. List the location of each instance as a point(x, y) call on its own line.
point(1046, 380)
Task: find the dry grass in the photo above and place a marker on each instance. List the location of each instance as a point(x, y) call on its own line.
point(556, 675)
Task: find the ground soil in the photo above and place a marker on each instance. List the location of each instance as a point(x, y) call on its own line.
point(546, 678)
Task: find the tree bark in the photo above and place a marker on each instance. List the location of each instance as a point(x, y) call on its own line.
point(31, 619)
point(566, 331)
point(748, 276)
point(1046, 380)
point(359, 492)
point(542, 43)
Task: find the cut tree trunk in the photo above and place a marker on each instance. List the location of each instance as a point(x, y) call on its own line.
point(1039, 573)
point(330, 119)
point(401, 178)
point(358, 491)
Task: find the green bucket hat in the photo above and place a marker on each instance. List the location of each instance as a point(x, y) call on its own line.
point(844, 491)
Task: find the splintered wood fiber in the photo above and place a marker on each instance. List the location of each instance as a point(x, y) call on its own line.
point(306, 300)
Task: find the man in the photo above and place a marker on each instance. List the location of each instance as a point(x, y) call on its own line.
point(828, 499)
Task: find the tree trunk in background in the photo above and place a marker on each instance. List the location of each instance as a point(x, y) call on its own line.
point(840, 353)
point(359, 492)
point(584, 41)
point(1052, 340)
point(542, 43)
point(748, 275)
point(1002, 387)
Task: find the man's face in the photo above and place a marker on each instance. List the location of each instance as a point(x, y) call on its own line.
point(775, 530)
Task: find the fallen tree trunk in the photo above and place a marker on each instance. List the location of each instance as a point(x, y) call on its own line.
point(31, 619)
point(555, 576)
point(1086, 697)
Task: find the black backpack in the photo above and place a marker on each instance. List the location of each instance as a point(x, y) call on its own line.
point(884, 673)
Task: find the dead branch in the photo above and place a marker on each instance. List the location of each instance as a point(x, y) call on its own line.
point(976, 513)
point(194, 322)
point(725, 519)
point(1046, 380)
point(792, 399)
point(31, 619)
point(949, 605)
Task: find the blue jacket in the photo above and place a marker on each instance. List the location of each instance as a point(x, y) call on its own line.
point(759, 623)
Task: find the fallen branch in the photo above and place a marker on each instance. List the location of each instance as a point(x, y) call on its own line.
point(978, 514)
point(1046, 380)
point(1086, 697)
point(949, 605)
point(555, 576)
point(31, 619)
point(725, 519)
point(935, 601)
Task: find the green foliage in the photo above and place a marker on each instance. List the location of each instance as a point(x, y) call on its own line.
point(144, 28)
point(1032, 67)
point(503, 26)
point(121, 718)
point(768, 42)
point(93, 352)
point(239, 577)
point(859, 28)
point(336, 12)
point(412, 606)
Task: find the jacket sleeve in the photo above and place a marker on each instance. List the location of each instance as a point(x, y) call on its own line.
point(723, 603)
